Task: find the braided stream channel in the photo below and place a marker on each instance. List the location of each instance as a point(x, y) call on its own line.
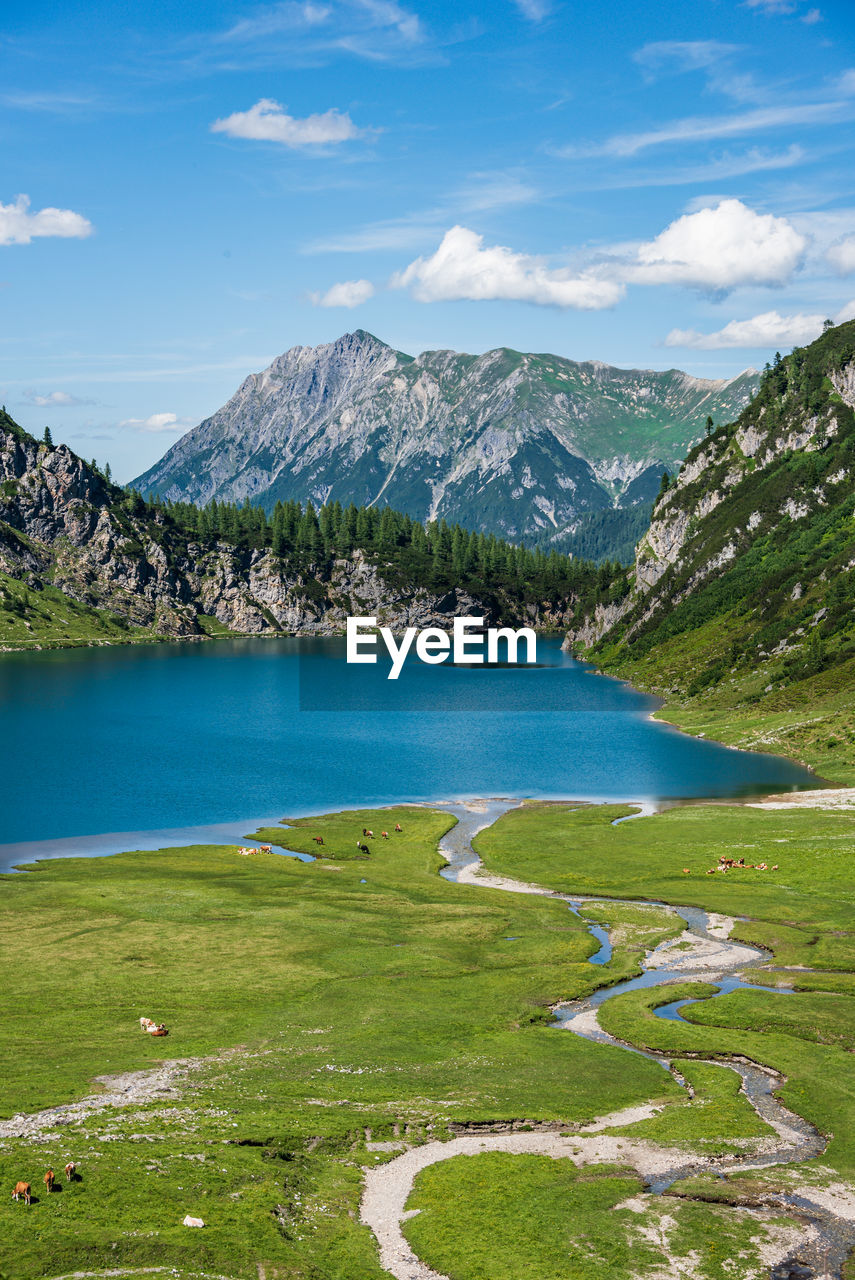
point(829, 1238)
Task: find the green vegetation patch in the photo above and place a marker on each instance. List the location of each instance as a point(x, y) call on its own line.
point(499, 1217)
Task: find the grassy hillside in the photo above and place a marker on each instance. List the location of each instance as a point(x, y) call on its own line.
point(747, 629)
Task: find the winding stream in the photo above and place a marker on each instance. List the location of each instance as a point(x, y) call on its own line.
point(712, 958)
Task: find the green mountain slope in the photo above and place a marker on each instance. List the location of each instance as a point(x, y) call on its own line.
point(739, 607)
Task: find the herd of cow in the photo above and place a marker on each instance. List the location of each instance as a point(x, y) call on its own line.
point(263, 848)
point(738, 864)
point(367, 834)
point(23, 1190)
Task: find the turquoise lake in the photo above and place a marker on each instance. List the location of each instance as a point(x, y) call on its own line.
point(168, 737)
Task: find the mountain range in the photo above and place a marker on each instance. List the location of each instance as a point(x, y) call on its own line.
point(532, 448)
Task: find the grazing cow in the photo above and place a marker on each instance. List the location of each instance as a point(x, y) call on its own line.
point(370, 834)
point(267, 848)
point(21, 1189)
point(49, 1181)
point(398, 827)
point(71, 1171)
point(385, 835)
point(685, 871)
point(363, 848)
point(318, 839)
point(364, 831)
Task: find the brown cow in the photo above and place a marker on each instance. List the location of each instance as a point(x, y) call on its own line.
point(385, 835)
point(49, 1181)
point(318, 839)
point(21, 1189)
point(71, 1171)
point(398, 827)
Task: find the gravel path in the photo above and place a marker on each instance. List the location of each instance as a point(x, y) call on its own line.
point(133, 1087)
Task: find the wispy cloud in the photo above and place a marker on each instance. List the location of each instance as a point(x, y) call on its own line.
point(812, 17)
point(349, 293)
point(727, 165)
point(47, 100)
point(481, 192)
point(771, 7)
point(534, 10)
point(674, 56)
point(464, 267)
point(708, 128)
point(267, 121)
point(19, 226)
point(307, 34)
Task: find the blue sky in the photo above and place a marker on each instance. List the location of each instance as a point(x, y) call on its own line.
point(188, 190)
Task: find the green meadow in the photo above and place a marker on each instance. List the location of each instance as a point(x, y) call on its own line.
point(317, 1006)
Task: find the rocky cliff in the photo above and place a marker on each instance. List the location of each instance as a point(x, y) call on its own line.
point(749, 562)
point(507, 443)
point(68, 535)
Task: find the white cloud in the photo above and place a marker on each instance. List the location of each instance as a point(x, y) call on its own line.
point(54, 399)
point(842, 256)
point(812, 17)
point(719, 249)
point(19, 226)
point(770, 329)
point(349, 293)
point(463, 268)
point(267, 121)
point(682, 55)
point(157, 422)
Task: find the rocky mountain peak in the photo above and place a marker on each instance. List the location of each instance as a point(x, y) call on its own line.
point(516, 444)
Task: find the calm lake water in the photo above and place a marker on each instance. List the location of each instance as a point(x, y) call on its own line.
point(142, 739)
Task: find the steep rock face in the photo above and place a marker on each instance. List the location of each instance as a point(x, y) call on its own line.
point(758, 505)
point(513, 444)
point(63, 525)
